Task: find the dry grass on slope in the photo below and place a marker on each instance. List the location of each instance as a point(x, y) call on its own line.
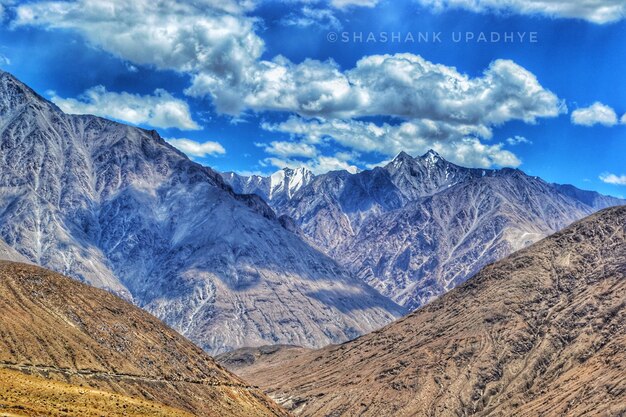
point(29, 396)
point(57, 328)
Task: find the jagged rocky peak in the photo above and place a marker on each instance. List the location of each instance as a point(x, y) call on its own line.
point(428, 164)
point(402, 157)
point(14, 95)
point(432, 157)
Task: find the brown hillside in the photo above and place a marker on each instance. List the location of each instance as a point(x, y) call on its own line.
point(541, 333)
point(31, 396)
point(57, 328)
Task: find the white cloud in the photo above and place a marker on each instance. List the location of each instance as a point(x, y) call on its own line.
point(159, 110)
point(595, 114)
point(309, 16)
point(623, 120)
point(222, 53)
point(435, 106)
point(208, 37)
point(290, 149)
point(342, 4)
point(402, 85)
point(613, 179)
point(407, 85)
point(456, 143)
point(197, 149)
point(4, 60)
point(318, 165)
point(517, 140)
point(596, 11)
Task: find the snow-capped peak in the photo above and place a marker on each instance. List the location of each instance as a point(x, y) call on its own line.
point(432, 157)
point(402, 156)
point(288, 181)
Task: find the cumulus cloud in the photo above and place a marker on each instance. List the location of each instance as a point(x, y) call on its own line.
point(623, 120)
point(318, 165)
point(159, 110)
point(402, 85)
point(289, 149)
point(596, 11)
point(197, 149)
point(311, 16)
point(215, 43)
point(595, 114)
point(207, 37)
point(409, 86)
point(517, 140)
point(457, 143)
point(613, 179)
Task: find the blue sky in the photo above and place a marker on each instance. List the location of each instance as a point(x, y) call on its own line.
point(252, 86)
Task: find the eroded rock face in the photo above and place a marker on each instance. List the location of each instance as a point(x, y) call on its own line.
point(418, 227)
point(119, 208)
point(542, 332)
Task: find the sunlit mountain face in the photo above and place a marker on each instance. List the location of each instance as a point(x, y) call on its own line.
point(257, 86)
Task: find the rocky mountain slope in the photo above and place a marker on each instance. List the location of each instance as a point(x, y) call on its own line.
point(7, 253)
point(119, 208)
point(418, 227)
point(246, 360)
point(540, 333)
point(56, 328)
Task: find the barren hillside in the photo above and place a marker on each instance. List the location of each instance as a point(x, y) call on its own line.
point(541, 333)
point(54, 327)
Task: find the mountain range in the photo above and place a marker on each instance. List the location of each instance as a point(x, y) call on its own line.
point(540, 333)
point(418, 227)
point(119, 208)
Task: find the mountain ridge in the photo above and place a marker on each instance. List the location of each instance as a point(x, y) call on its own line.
point(395, 228)
point(120, 208)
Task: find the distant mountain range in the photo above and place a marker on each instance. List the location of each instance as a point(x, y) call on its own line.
point(540, 333)
point(418, 227)
point(280, 186)
point(119, 208)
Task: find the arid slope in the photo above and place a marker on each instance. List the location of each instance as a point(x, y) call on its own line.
point(541, 333)
point(24, 395)
point(57, 328)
